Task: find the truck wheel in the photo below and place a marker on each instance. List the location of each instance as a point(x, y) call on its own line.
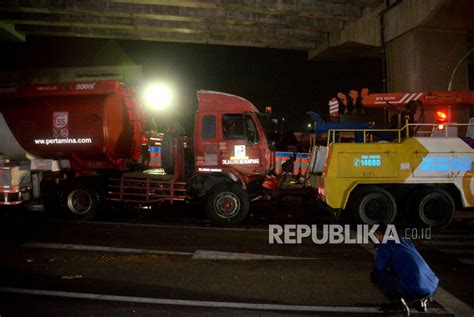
point(227, 204)
point(435, 208)
point(79, 202)
point(374, 205)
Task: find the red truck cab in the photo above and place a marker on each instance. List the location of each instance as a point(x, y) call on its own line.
point(231, 152)
point(229, 137)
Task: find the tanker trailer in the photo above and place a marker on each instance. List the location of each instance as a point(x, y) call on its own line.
point(62, 142)
point(82, 145)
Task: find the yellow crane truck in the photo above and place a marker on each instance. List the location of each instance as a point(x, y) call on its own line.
point(422, 170)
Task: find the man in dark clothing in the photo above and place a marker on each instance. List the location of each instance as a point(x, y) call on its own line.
point(402, 274)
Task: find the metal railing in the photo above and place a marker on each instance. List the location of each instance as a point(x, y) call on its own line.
point(408, 130)
point(145, 191)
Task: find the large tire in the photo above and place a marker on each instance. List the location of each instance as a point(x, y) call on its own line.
point(79, 202)
point(434, 208)
point(227, 204)
point(374, 205)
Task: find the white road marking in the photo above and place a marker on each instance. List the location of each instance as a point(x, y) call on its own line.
point(196, 255)
point(157, 226)
point(94, 248)
point(196, 303)
point(218, 255)
point(469, 261)
point(449, 302)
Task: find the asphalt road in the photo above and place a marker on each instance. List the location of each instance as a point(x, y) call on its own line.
point(172, 261)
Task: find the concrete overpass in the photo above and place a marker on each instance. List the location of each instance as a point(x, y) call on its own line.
point(300, 25)
point(422, 39)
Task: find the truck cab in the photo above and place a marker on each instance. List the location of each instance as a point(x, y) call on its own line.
point(232, 156)
point(229, 137)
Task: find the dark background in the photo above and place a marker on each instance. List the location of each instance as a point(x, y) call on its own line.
point(283, 79)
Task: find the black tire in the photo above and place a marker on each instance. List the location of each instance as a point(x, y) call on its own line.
point(79, 202)
point(374, 205)
point(167, 153)
point(434, 208)
point(227, 204)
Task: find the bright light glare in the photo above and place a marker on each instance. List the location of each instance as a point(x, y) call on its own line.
point(158, 96)
point(442, 116)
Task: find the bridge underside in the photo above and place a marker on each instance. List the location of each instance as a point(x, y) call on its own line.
point(424, 38)
point(297, 25)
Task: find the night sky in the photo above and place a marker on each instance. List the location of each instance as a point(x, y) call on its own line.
point(283, 79)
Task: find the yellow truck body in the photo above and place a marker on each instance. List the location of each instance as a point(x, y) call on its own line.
point(400, 168)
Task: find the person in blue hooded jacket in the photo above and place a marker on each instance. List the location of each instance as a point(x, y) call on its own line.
point(402, 274)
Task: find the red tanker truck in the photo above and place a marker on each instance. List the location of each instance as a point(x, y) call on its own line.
point(81, 146)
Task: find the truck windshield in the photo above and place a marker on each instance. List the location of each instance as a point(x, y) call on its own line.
point(239, 127)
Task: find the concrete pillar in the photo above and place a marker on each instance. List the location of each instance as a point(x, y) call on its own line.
point(423, 59)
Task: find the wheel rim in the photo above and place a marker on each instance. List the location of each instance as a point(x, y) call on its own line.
point(79, 201)
point(375, 209)
point(227, 205)
point(434, 210)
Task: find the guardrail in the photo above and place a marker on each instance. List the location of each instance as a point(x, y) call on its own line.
point(408, 130)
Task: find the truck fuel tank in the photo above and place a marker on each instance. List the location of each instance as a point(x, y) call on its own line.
point(95, 125)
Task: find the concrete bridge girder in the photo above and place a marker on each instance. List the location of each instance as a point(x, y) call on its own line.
point(298, 24)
